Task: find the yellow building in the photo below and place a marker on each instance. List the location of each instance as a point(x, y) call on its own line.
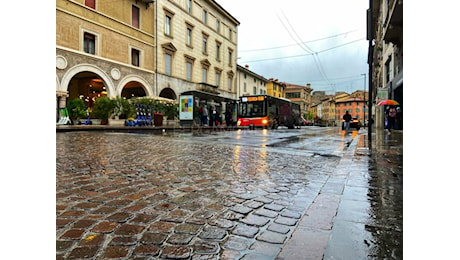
point(103, 48)
point(149, 48)
point(275, 88)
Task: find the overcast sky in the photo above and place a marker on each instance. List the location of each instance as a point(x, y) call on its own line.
point(304, 41)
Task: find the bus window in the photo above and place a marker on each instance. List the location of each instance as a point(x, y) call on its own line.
point(252, 109)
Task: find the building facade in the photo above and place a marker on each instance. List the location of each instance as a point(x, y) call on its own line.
point(386, 55)
point(275, 88)
point(300, 95)
point(135, 48)
point(250, 83)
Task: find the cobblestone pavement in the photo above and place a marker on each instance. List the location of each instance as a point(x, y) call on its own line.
point(133, 196)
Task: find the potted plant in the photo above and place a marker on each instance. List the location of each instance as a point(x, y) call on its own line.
point(103, 109)
point(170, 110)
point(77, 109)
point(122, 108)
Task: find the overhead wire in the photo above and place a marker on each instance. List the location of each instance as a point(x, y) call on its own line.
point(305, 47)
point(301, 55)
point(290, 45)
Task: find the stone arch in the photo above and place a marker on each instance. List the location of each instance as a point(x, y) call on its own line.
point(131, 78)
point(168, 93)
point(90, 68)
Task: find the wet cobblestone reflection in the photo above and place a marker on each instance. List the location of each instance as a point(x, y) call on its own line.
point(135, 196)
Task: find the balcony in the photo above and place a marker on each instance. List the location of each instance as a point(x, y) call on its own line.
point(394, 24)
point(146, 2)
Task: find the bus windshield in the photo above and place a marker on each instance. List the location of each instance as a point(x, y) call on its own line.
point(252, 109)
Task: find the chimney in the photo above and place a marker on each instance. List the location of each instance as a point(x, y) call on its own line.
point(308, 85)
point(246, 66)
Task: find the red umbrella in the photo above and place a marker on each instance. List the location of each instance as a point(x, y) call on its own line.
point(390, 102)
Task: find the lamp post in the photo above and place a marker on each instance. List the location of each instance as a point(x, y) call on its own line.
point(364, 98)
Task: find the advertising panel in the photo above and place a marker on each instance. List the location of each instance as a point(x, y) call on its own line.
point(186, 107)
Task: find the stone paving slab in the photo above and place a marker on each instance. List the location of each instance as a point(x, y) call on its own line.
point(173, 202)
point(185, 200)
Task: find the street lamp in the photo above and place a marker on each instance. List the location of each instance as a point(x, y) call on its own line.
point(364, 99)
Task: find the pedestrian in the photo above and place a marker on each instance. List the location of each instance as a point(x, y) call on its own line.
point(346, 119)
point(204, 115)
point(214, 119)
point(228, 118)
point(398, 123)
point(391, 118)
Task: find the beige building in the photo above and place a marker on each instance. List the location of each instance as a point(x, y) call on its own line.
point(197, 50)
point(387, 55)
point(148, 48)
point(250, 83)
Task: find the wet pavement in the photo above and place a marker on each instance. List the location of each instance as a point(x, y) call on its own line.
point(142, 196)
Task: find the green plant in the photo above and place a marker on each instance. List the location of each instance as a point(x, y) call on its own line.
point(103, 108)
point(170, 110)
point(77, 108)
point(123, 108)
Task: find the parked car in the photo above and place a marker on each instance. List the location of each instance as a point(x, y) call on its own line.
point(305, 122)
point(354, 123)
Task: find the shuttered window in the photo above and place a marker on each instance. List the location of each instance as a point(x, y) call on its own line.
point(91, 3)
point(135, 16)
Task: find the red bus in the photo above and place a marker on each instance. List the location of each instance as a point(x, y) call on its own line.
point(267, 112)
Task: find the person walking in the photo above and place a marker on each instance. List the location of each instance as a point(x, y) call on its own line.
point(391, 119)
point(204, 115)
point(213, 121)
point(228, 118)
point(346, 118)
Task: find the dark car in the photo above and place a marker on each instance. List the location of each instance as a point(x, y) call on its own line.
point(354, 123)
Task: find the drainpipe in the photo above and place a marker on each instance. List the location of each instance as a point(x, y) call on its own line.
point(370, 63)
point(156, 47)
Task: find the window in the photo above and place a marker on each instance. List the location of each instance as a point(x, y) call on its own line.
point(189, 71)
point(217, 78)
point(135, 57)
point(204, 75)
point(135, 16)
point(230, 83)
point(230, 53)
point(189, 6)
point(217, 26)
point(205, 16)
point(189, 36)
point(244, 87)
point(89, 43)
point(254, 90)
point(168, 25)
point(230, 34)
point(168, 65)
point(218, 50)
point(205, 44)
point(90, 3)
point(388, 70)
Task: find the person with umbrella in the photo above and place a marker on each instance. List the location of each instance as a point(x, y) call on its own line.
point(390, 113)
point(391, 118)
